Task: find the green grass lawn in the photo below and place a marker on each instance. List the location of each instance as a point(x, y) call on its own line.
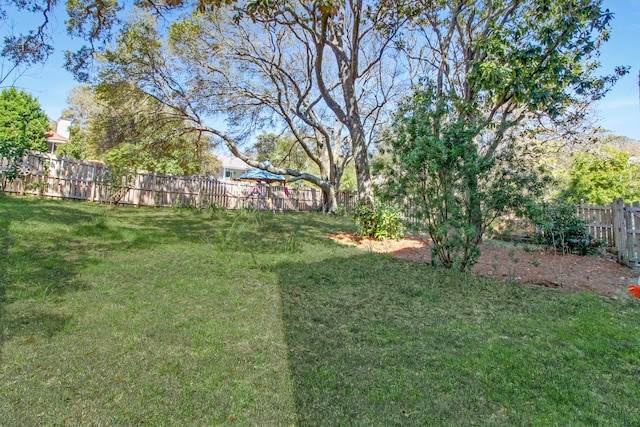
point(130, 316)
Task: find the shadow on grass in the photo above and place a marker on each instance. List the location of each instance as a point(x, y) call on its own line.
point(44, 244)
point(34, 323)
point(379, 341)
point(31, 268)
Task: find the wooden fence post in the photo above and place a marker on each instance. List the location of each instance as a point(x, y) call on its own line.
point(632, 234)
point(619, 229)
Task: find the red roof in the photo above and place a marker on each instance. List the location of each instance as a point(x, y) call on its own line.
point(55, 137)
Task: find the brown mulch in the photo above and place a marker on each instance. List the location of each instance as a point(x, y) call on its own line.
point(602, 275)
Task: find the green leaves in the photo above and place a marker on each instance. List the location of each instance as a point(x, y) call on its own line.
point(380, 221)
point(444, 181)
point(22, 121)
point(599, 178)
point(535, 54)
point(559, 227)
point(11, 162)
point(492, 65)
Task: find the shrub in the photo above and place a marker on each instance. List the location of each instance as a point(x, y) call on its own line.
point(558, 226)
point(11, 156)
point(379, 221)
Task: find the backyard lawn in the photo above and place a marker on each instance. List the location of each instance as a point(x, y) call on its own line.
point(130, 316)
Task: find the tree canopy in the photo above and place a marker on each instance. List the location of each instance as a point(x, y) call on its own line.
point(599, 178)
point(299, 73)
point(128, 129)
point(491, 71)
point(22, 121)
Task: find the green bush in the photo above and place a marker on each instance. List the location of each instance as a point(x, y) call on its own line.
point(558, 226)
point(12, 155)
point(380, 221)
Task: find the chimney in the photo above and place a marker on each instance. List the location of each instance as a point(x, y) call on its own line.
point(63, 128)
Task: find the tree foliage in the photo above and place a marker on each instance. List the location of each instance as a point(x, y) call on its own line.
point(490, 68)
point(321, 79)
point(281, 151)
point(128, 129)
point(328, 71)
point(22, 121)
point(451, 190)
point(601, 177)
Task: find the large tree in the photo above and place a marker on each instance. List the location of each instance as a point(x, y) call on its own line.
point(322, 76)
point(603, 176)
point(338, 51)
point(22, 121)
point(494, 65)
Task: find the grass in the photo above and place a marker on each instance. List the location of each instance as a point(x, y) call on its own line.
point(125, 316)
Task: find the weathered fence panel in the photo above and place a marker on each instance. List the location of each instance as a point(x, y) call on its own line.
point(618, 225)
point(599, 221)
point(60, 177)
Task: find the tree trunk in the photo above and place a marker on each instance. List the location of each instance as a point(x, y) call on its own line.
point(475, 207)
point(329, 199)
point(361, 162)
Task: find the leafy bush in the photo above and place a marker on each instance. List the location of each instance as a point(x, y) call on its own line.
point(558, 226)
point(11, 156)
point(379, 221)
point(341, 211)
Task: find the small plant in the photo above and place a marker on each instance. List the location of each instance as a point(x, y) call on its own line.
point(380, 221)
point(558, 226)
point(216, 209)
point(37, 186)
point(178, 204)
point(10, 163)
point(292, 244)
point(244, 221)
point(41, 185)
point(118, 181)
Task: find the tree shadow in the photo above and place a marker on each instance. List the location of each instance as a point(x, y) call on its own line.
point(46, 265)
point(35, 323)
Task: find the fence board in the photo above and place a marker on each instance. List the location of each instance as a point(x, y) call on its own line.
point(619, 226)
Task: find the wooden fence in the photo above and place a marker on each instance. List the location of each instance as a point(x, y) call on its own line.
point(60, 177)
point(599, 222)
point(618, 225)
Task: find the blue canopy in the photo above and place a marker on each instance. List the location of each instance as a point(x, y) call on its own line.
point(256, 174)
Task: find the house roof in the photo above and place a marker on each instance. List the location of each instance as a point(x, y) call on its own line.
point(55, 137)
point(231, 162)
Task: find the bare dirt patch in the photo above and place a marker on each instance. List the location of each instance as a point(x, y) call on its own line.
point(602, 275)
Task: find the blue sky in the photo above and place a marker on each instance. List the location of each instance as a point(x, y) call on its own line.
point(619, 112)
